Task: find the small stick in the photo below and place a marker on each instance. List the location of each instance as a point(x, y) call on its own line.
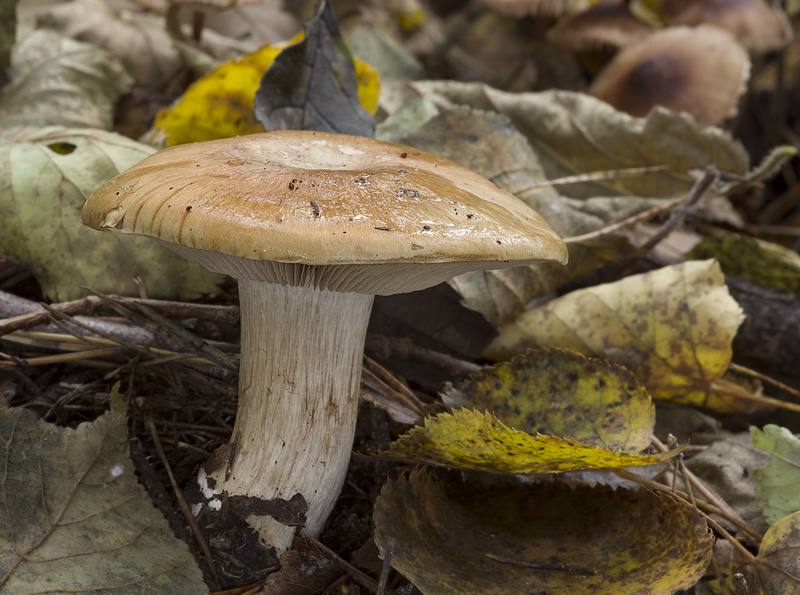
point(187, 513)
point(387, 565)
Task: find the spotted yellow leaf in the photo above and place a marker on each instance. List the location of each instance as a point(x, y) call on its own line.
point(468, 439)
point(220, 105)
point(563, 393)
point(673, 328)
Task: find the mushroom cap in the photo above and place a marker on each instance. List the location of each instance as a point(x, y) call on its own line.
point(754, 23)
point(333, 211)
point(599, 27)
point(702, 71)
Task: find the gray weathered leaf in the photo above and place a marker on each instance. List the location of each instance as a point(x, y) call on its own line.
point(312, 85)
point(73, 517)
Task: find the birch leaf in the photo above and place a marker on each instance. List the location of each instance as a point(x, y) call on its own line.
point(74, 519)
point(779, 482)
point(56, 80)
point(779, 553)
point(465, 538)
point(673, 328)
point(471, 440)
point(561, 393)
point(44, 182)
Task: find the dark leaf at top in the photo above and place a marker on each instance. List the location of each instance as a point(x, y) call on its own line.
point(312, 84)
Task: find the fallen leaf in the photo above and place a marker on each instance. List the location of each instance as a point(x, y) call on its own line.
point(465, 538)
point(673, 328)
point(74, 518)
point(561, 393)
point(372, 44)
point(764, 262)
point(44, 182)
point(779, 482)
point(140, 41)
point(779, 557)
point(312, 84)
point(59, 81)
point(470, 440)
point(572, 133)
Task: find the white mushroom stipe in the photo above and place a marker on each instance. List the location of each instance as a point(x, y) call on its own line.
point(300, 372)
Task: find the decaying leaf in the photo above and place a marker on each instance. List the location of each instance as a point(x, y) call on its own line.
point(572, 133)
point(672, 327)
point(44, 182)
point(764, 262)
point(372, 44)
point(464, 538)
point(561, 393)
point(59, 81)
point(470, 440)
point(779, 555)
point(140, 41)
point(8, 28)
point(73, 517)
point(779, 483)
point(312, 84)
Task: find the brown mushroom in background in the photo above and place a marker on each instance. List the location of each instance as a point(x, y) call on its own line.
point(601, 27)
point(755, 24)
point(702, 71)
point(312, 225)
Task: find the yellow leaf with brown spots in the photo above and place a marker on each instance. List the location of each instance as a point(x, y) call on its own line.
point(563, 393)
point(673, 328)
point(488, 537)
point(478, 441)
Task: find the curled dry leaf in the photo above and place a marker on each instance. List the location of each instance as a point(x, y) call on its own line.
point(44, 181)
point(562, 393)
point(465, 538)
point(673, 328)
point(140, 41)
point(75, 519)
point(469, 440)
point(573, 133)
point(56, 80)
point(779, 482)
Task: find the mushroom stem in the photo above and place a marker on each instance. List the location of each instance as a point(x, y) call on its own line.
point(299, 381)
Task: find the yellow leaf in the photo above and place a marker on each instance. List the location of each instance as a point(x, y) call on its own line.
point(562, 393)
point(479, 441)
point(220, 105)
point(673, 328)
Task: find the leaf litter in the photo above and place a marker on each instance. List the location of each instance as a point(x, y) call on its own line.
point(559, 134)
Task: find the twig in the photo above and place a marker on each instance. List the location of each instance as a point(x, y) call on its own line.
point(187, 513)
point(403, 348)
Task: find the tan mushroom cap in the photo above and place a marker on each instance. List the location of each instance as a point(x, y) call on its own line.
point(702, 71)
point(334, 211)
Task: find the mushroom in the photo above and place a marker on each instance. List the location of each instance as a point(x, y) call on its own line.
point(312, 225)
point(600, 27)
point(702, 71)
